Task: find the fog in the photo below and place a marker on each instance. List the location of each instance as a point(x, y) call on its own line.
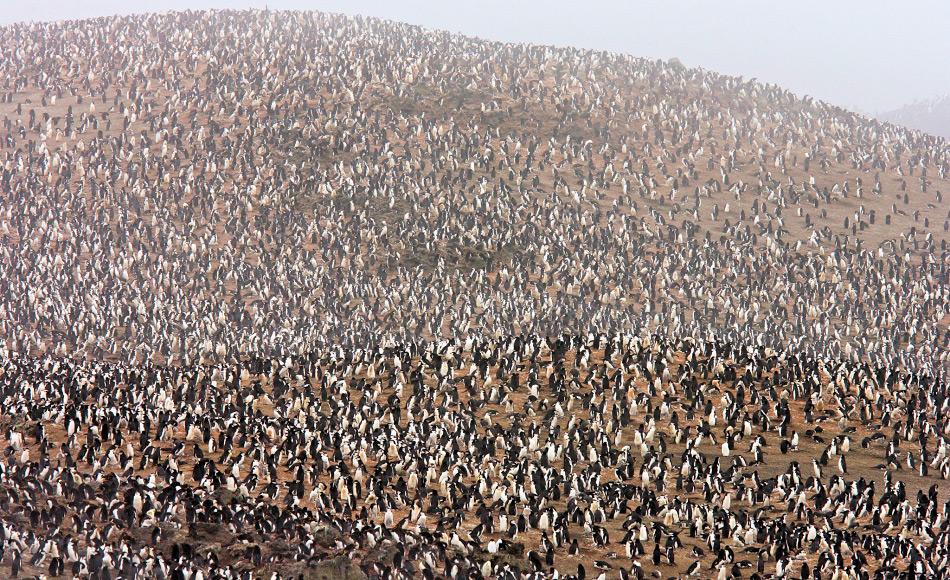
point(869, 56)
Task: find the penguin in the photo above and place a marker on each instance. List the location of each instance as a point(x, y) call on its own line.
point(573, 292)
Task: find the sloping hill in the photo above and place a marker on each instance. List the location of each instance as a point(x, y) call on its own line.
point(258, 182)
point(930, 116)
point(307, 295)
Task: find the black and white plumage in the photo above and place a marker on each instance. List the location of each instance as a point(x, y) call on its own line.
point(280, 289)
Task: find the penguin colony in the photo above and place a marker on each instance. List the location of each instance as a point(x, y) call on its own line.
point(294, 294)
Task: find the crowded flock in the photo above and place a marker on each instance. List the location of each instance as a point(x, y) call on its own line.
point(292, 294)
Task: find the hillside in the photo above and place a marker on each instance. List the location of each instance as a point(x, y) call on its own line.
point(297, 293)
point(930, 116)
point(253, 188)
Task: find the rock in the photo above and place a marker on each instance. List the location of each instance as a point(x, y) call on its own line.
point(514, 549)
point(213, 532)
point(382, 554)
point(339, 568)
point(326, 536)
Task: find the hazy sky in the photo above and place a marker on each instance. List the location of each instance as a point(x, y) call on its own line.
point(867, 55)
